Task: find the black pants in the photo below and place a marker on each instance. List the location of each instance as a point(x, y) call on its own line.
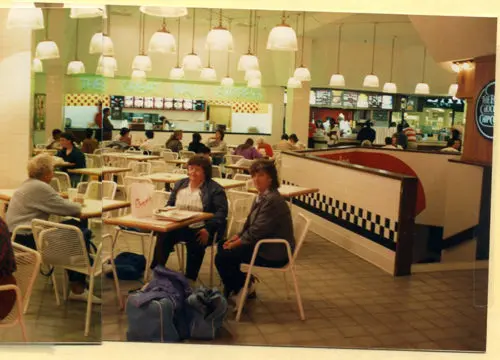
point(228, 265)
point(310, 143)
point(195, 250)
point(29, 241)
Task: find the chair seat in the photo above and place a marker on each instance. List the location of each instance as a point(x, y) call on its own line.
point(84, 269)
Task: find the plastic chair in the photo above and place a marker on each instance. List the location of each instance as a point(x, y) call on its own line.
point(186, 154)
point(64, 181)
point(238, 213)
point(158, 166)
point(230, 160)
point(301, 226)
point(140, 168)
point(98, 190)
point(55, 184)
point(244, 177)
point(216, 171)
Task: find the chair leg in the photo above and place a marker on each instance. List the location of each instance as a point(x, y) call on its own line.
point(297, 294)
point(287, 288)
point(20, 317)
point(212, 265)
point(89, 305)
point(148, 254)
point(65, 286)
point(243, 294)
point(56, 291)
point(115, 275)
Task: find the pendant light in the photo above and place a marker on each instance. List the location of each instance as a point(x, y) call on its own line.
point(249, 61)
point(177, 72)
point(293, 82)
point(253, 73)
point(162, 41)
point(208, 73)
point(76, 66)
point(141, 61)
point(25, 16)
point(37, 65)
point(101, 42)
point(391, 87)
point(164, 12)
point(423, 88)
point(47, 49)
point(107, 66)
point(282, 37)
point(83, 11)
point(337, 79)
point(302, 73)
point(452, 90)
point(371, 80)
point(219, 38)
point(138, 75)
point(254, 83)
point(192, 61)
point(228, 81)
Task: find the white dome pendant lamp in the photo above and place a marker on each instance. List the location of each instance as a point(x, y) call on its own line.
point(142, 61)
point(86, 11)
point(47, 49)
point(208, 73)
point(452, 90)
point(293, 82)
point(101, 42)
point(302, 73)
point(337, 79)
point(177, 72)
point(422, 88)
point(192, 62)
point(76, 66)
point(371, 80)
point(162, 41)
point(228, 81)
point(390, 87)
point(164, 12)
point(282, 37)
point(37, 65)
point(25, 16)
point(249, 61)
point(219, 38)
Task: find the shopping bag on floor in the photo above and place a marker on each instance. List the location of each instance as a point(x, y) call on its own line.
point(141, 199)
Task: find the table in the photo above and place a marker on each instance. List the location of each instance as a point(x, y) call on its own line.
point(169, 178)
point(95, 208)
point(230, 183)
point(136, 157)
point(63, 164)
point(99, 172)
point(237, 167)
point(291, 191)
point(217, 152)
point(177, 161)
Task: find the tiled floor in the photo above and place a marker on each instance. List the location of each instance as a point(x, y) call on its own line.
point(348, 303)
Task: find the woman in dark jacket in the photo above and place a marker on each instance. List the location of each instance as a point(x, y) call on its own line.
point(71, 154)
point(174, 142)
point(7, 268)
point(196, 193)
point(196, 145)
point(269, 218)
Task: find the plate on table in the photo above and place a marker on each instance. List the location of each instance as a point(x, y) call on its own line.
point(174, 214)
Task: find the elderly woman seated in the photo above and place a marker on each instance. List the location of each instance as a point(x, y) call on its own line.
point(7, 268)
point(269, 218)
point(36, 199)
point(196, 193)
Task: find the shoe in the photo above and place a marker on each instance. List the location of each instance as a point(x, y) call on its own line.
point(83, 297)
point(251, 294)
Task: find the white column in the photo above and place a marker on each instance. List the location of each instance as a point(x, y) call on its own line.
point(15, 102)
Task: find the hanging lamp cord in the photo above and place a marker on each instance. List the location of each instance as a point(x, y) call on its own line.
point(338, 48)
point(228, 53)
point(209, 28)
point(295, 54)
point(373, 48)
point(256, 36)
point(47, 27)
point(192, 40)
point(423, 65)
point(392, 56)
point(250, 33)
point(76, 42)
point(178, 39)
point(303, 36)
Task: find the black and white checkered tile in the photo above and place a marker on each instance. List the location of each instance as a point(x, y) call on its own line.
point(361, 221)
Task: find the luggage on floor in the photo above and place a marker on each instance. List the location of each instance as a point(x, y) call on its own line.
point(129, 266)
point(208, 309)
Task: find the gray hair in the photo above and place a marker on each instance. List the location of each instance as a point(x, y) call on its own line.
point(40, 165)
point(260, 140)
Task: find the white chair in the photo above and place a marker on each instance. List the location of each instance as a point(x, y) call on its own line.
point(98, 190)
point(102, 150)
point(244, 177)
point(186, 154)
point(28, 266)
point(54, 183)
point(301, 226)
point(239, 211)
point(64, 181)
point(63, 246)
point(158, 166)
point(40, 146)
point(231, 160)
point(216, 171)
point(140, 168)
point(167, 154)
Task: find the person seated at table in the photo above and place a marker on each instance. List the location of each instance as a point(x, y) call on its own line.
point(53, 143)
point(294, 140)
point(36, 199)
point(124, 136)
point(247, 150)
point(284, 144)
point(452, 146)
point(7, 269)
point(89, 145)
point(390, 143)
point(261, 144)
point(200, 193)
point(269, 218)
point(206, 153)
point(196, 145)
point(148, 144)
point(367, 133)
point(174, 143)
point(217, 143)
point(366, 143)
point(71, 154)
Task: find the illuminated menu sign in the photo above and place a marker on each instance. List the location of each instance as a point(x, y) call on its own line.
point(485, 110)
point(349, 99)
point(324, 97)
point(336, 98)
point(362, 102)
point(375, 101)
point(387, 103)
point(312, 97)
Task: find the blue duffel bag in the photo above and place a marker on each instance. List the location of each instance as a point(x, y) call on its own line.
point(207, 309)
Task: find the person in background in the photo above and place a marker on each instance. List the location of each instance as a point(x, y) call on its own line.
point(196, 145)
point(269, 218)
point(148, 144)
point(107, 127)
point(73, 155)
point(217, 143)
point(452, 146)
point(390, 143)
point(367, 133)
point(206, 153)
point(411, 135)
point(345, 128)
point(284, 144)
point(53, 143)
point(247, 150)
point(7, 269)
point(294, 140)
point(124, 136)
point(89, 144)
point(366, 143)
point(261, 144)
point(164, 121)
point(402, 139)
point(36, 199)
point(196, 193)
point(457, 135)
point(310, 136)
point(98, 122)
point(174, 142)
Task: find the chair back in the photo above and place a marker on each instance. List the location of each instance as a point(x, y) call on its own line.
point(64, 181)
point(158, 166)
point(140, 168)
point(232, 159)
point(234, 195)
point(186, 154)
point(239, 212)
point(244, 177)
point(179, 171)
point(300, 228)
point(55, 184)
point(94, 160)
point(102, 150)
point(98, 190)
point(216, 171)
point(28, 267)
point(60, 244)
point(169, 155)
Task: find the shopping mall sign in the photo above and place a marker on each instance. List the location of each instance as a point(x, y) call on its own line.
point(485, 110)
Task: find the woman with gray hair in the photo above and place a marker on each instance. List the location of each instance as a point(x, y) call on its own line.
point(36, 199)
point(261, 144)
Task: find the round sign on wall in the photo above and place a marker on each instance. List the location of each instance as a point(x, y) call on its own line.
point(485, 110)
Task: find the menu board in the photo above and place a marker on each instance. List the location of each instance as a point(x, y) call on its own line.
point(187, 105)
point(138, 102)
point(324, 97)
point(337, 98)
point(158, 103)
point(178, 104)
point(375, 101)
point(387, 103)
point(349, 99)
point(129, 101)
point(363, 101)
point(117, 104)
point(168, 104)
point(199, 105)
point(312, 97)
point(148, 102)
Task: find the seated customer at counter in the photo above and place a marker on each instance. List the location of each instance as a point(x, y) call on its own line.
point(269, 218)
point(261, 144)
point(53, 143)
point(149, 143)
point(196, 193)
point(36, 199)
point(73, 155)
point(284, 144)
point(89, 145)
point(402, 139)
point(124, 136)
point(7, 269)
point(174, 142)
point(367, 133)
point(217, 143)
point(247, 150)
point(452, 146)
point(297, 145)
point(390, 143)
point(196, 145)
